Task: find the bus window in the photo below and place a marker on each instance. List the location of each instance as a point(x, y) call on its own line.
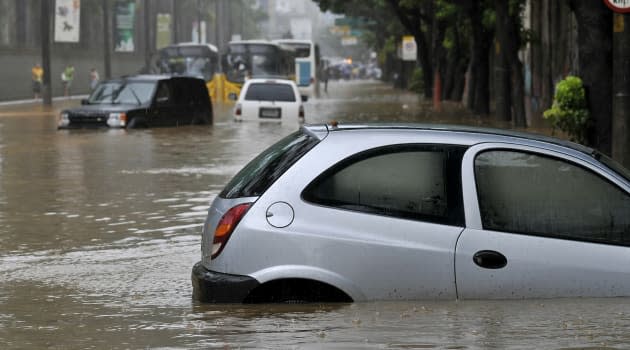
point(306, 64)
point(259, 59)
point(188, 59)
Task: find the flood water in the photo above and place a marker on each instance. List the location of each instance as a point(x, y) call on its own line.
point(99, 231)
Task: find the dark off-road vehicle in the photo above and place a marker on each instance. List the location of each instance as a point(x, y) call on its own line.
point(142, 101)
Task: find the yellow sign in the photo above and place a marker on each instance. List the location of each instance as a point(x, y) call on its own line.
point(618, 23)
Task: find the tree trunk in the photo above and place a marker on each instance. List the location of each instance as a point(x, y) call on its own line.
point(621, 89)
point(594, 21)
point(479, 87)
point(424, 59)
point(509, 44)
point(456, 70)
point(502, 95)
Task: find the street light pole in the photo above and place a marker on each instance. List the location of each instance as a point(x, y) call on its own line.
point(45, 34)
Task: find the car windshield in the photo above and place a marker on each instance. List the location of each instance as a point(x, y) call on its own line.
point(136, 93)
point(254, 179)
point(270, 92)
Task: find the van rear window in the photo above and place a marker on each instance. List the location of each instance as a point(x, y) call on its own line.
point(270, 92)
point(259, 174)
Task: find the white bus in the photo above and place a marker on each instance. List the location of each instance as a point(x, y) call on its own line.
point(307, 63)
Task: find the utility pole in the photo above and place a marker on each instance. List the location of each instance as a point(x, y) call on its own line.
point(220, 23)
point(621, 89)
point(107, 44)
point(175, 12)
point(45, 34)
point(199, 21)
point(147, 34)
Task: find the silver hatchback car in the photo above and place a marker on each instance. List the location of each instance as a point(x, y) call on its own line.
point(387, 212)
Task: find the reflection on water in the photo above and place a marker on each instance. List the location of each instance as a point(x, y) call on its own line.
point(99, 231)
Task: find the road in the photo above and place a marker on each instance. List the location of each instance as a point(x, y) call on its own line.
point(99, 231)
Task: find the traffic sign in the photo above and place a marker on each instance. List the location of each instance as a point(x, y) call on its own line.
point(621, 6)
point(409, 48)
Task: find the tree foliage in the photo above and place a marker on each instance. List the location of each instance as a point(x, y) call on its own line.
point(569, 111)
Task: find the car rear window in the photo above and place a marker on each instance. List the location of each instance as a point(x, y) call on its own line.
point(270, 92)
point(256, 177)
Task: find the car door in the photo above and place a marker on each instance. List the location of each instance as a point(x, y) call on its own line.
point(541, 224)
point(387, 220)
point(183, 111)
point(164, 110)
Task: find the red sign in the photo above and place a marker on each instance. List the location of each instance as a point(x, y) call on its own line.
point(621, 6)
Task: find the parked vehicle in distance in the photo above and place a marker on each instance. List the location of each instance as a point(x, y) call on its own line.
point(270, 100)
point(142, 101)
point(385, 212)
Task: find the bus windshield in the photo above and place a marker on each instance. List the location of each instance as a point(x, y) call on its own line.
point(253, 60)
point(197, 61)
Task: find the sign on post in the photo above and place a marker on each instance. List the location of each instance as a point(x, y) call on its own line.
point(409, 49)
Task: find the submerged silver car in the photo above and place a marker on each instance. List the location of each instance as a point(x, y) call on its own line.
point(386, 212)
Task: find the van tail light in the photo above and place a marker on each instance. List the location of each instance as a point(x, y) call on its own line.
point(301, 112)
point(237, 110)
point(226, 226)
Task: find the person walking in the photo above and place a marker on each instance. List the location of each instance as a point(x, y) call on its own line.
point(94, 78)
point(67, 76)
point(37, 75)
point(325, 76)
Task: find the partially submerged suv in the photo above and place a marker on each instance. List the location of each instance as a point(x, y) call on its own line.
point(142, 101)
point(382, 212)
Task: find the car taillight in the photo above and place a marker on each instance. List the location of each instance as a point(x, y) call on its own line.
point(237, 110)
point(226, 226)
point(301, 112)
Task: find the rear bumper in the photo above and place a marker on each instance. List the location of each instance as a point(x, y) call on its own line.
point(215, 287)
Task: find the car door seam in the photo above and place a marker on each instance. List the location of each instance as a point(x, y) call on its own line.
point(455, 262)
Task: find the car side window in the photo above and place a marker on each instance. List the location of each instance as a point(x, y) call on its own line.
point(407, 181)
point(528, 193)
point(163, 95)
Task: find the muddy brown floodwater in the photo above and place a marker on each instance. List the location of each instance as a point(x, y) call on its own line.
point(99, 231)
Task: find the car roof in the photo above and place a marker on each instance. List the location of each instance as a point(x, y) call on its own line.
point(465, 134)
point(193, 44)
point(293, 41)
point(253, 41)
point(151, 77)
point(271, 81)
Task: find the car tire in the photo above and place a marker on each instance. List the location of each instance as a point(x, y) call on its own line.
point(200, 121)
point(137, 123)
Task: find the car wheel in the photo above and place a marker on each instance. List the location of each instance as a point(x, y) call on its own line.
point(136, 123)
point(200, 121)
point(296, 291)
